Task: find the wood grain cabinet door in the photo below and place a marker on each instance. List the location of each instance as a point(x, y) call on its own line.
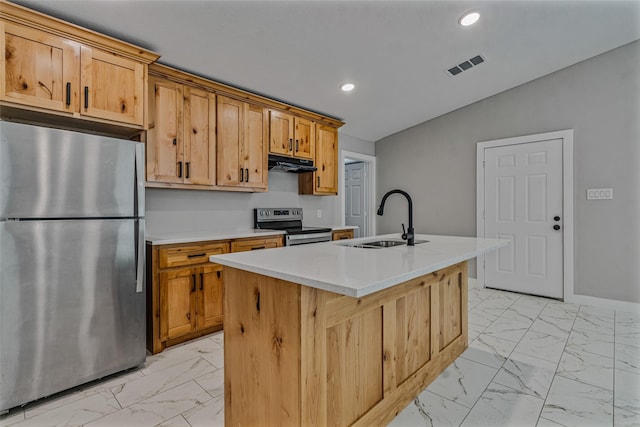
point(210, 296)
point(281, 130)
point(199, 136)
point(230, 135)
point(254, 152)
point(304, 141)
point(177, 302)
point(165, 143)
point(40, 69)
point(326, 177)
point(112, 87)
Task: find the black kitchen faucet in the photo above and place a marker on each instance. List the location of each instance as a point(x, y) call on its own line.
point(408, 234)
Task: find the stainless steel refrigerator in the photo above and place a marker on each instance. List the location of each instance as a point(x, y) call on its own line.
point(72, 306)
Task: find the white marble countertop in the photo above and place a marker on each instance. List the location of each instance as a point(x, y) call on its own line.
point(342, 227)
point(357, 272)
point(201, 236)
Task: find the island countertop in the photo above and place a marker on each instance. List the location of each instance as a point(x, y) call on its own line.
point(356, 272)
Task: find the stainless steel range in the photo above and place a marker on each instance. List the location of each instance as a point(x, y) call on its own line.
point(289, 220)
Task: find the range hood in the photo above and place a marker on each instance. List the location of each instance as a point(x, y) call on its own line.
point(289, 164)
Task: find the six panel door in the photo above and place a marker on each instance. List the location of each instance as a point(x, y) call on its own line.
point(523, 203)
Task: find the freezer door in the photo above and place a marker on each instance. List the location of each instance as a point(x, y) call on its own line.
point(51, 173)
point(69, 310)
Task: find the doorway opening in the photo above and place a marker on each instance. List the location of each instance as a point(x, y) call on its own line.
point(357, 181)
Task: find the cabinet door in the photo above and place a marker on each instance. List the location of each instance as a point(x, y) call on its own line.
point(281, 133)
point(326, 177)
point(40, 70)
point(230, 135)
point(304, 143)
point(112, 87)
point(199, 136)
point(165, 135)
point(177, 303)
point(255, 147)
point(210, 296)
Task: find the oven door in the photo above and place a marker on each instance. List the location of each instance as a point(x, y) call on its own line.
point(305, 239)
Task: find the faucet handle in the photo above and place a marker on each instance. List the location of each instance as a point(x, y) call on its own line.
point(404, 233)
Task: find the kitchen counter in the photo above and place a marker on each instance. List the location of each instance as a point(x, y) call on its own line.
point(357, 272)
point(201, 236)
point(328, 334)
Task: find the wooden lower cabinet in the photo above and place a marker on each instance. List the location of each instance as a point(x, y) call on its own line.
point(190, 300)
point(185, 291)
point(342, 234)
point(299, 356)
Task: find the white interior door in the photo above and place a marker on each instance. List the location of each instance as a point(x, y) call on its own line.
point(355, 194)
point(523, 203)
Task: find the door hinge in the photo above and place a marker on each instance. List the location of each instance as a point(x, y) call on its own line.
point(484, 164)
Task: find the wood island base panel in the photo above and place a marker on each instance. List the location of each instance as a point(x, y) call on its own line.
point(301, 356)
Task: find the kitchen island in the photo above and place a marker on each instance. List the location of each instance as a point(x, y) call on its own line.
point(337, 334)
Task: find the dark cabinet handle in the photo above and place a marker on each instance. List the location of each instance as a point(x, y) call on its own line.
point(556, 218)
point(255, 248)
point(175, 141)
point(556, 227)
point(290, 143)
point(68, 93)
point(179, 169)
point(297, 145)
point(246, 178)
point(193, 289)
point(218, 273)
point(86, 97)
point(188, 169)
point(343, 237)
point(201, 281)
point(241, 175)
point(195, 255)
point(318, 182)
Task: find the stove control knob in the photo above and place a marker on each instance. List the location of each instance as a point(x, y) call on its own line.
point(267, 213)
point(261, 213)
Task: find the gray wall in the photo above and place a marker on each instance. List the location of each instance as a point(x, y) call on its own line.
point(170, 211)
point(598, 98)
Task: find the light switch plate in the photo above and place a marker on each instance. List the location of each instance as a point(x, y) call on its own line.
point(599, 193)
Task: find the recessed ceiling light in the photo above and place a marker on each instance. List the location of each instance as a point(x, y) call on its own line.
point(347, 87)
point(469, 19)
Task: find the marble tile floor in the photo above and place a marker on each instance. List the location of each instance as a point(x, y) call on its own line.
point(531, 362)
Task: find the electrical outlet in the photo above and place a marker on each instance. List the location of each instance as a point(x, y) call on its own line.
point(599, 193)
point(319, 213)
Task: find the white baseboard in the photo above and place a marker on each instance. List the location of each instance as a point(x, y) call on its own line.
point(612, 304)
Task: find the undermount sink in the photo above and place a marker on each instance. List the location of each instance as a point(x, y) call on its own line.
point(379, 244)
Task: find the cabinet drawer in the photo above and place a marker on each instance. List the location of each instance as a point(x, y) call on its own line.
point(344, 234)
point(254, 244)
point(192, 254)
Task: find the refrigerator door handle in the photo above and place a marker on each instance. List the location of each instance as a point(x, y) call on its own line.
point(140, 257)
point(139, 180)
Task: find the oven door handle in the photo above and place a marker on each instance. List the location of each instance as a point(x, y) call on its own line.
point(302, 239)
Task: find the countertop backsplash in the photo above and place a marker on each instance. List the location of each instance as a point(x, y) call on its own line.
point(169, 211)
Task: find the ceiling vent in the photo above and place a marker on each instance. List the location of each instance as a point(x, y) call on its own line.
point(465, 65)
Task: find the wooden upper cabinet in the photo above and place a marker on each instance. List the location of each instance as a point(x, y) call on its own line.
point(242, 144)
point(181, 141)
point(165, 145)
point(51, 66)
point(199, 136)
point(304, 138)
point(324, 181)
point(39, 69)
point(112, 87)
point(290, 135)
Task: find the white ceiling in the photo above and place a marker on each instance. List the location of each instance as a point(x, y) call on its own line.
point(396, 52)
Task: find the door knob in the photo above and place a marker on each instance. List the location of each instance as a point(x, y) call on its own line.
point(556, 227)
point(556, 218)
